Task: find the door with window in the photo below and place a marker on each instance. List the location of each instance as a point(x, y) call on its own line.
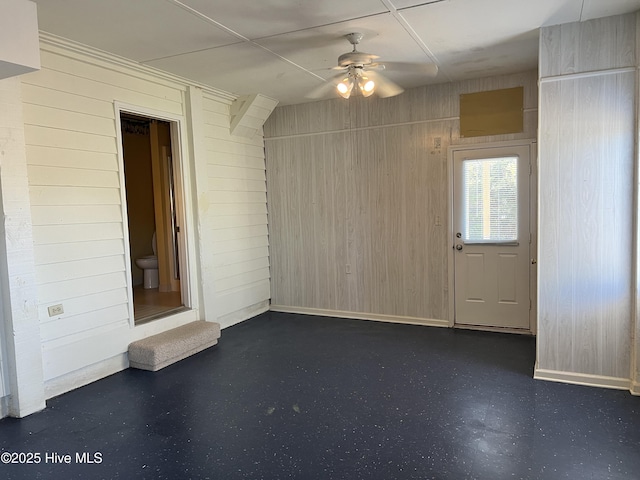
point(492, 238)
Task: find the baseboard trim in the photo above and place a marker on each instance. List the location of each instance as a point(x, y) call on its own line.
point(234, 318)
point(427, 322)
point(483, 328)
point(84, 376)
point(582, 379)
point(4, 407)
point(635, 388)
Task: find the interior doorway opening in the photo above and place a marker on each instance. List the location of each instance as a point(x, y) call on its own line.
point(492, 265)
point(153, 205)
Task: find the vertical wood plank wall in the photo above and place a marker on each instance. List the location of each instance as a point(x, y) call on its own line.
point(586, 171)
point(70, 132)
point(635, 333)
point(356, 190)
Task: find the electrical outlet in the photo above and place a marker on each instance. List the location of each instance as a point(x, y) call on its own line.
point(56, 310)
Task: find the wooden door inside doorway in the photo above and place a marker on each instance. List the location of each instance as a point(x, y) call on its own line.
point(492, 237)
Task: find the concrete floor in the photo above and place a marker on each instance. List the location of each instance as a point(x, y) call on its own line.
point(287, 396)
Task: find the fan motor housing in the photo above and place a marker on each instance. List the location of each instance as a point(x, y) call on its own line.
point(355, 58)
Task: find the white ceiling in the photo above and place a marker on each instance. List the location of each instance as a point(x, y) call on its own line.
point(284, 48)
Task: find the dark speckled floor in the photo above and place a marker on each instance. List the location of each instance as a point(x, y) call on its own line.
point(299, 397)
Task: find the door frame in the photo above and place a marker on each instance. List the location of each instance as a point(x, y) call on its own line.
point(182, 179)
point(533, 229)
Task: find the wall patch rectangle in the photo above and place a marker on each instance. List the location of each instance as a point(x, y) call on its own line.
point(495, 112)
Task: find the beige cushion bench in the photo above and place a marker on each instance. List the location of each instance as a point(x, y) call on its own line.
point(158, 351)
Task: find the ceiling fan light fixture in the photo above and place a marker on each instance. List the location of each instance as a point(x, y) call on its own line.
point(345, 87)
point(367, 86)
point(360, 69)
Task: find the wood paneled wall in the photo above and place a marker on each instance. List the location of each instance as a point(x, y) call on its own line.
point(586, 171)
point(635, 334)
point(358, 200)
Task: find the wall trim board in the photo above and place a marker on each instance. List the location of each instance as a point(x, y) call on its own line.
point(194, 108)
point(378, 126)
point(426, 322)
point(634, 334)
point(382, 125)
point(184, 191)
point(65, 47)
point(4, 407)
point(84, 376)
point(482, 328)
point(240, 316)
point(592, 73)
point(21, 355)
point(361, 129)
point(163, 324)
point(582, 379)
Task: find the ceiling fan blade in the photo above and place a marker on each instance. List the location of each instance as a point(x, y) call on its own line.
point(427, 69)
point(384, 86)
point(376, 66)
point(323, 89)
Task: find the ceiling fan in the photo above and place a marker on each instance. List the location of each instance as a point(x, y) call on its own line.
point(359, 73)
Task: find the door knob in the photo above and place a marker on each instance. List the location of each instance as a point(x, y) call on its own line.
point(458, 247)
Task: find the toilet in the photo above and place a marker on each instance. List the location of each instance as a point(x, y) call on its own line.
point(149, 266)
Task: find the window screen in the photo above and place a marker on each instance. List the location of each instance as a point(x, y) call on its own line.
point(490, 199)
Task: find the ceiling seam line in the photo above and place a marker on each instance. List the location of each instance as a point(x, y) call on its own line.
point(240, 36)
point(255, 42)
point(323, 25)
point(199, 50)
point(420, 5)
point(412, 33)
point(210, 20)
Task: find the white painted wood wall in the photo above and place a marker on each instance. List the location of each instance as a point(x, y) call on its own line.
point(588, 133)
point(356, 190)
point(237, 198)
point(71, 152)
point(4, 377)
point(23, 389)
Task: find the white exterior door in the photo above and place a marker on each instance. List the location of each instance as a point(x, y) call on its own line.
point(492, 238)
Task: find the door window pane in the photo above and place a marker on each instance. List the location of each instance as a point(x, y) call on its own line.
point(490, 199)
